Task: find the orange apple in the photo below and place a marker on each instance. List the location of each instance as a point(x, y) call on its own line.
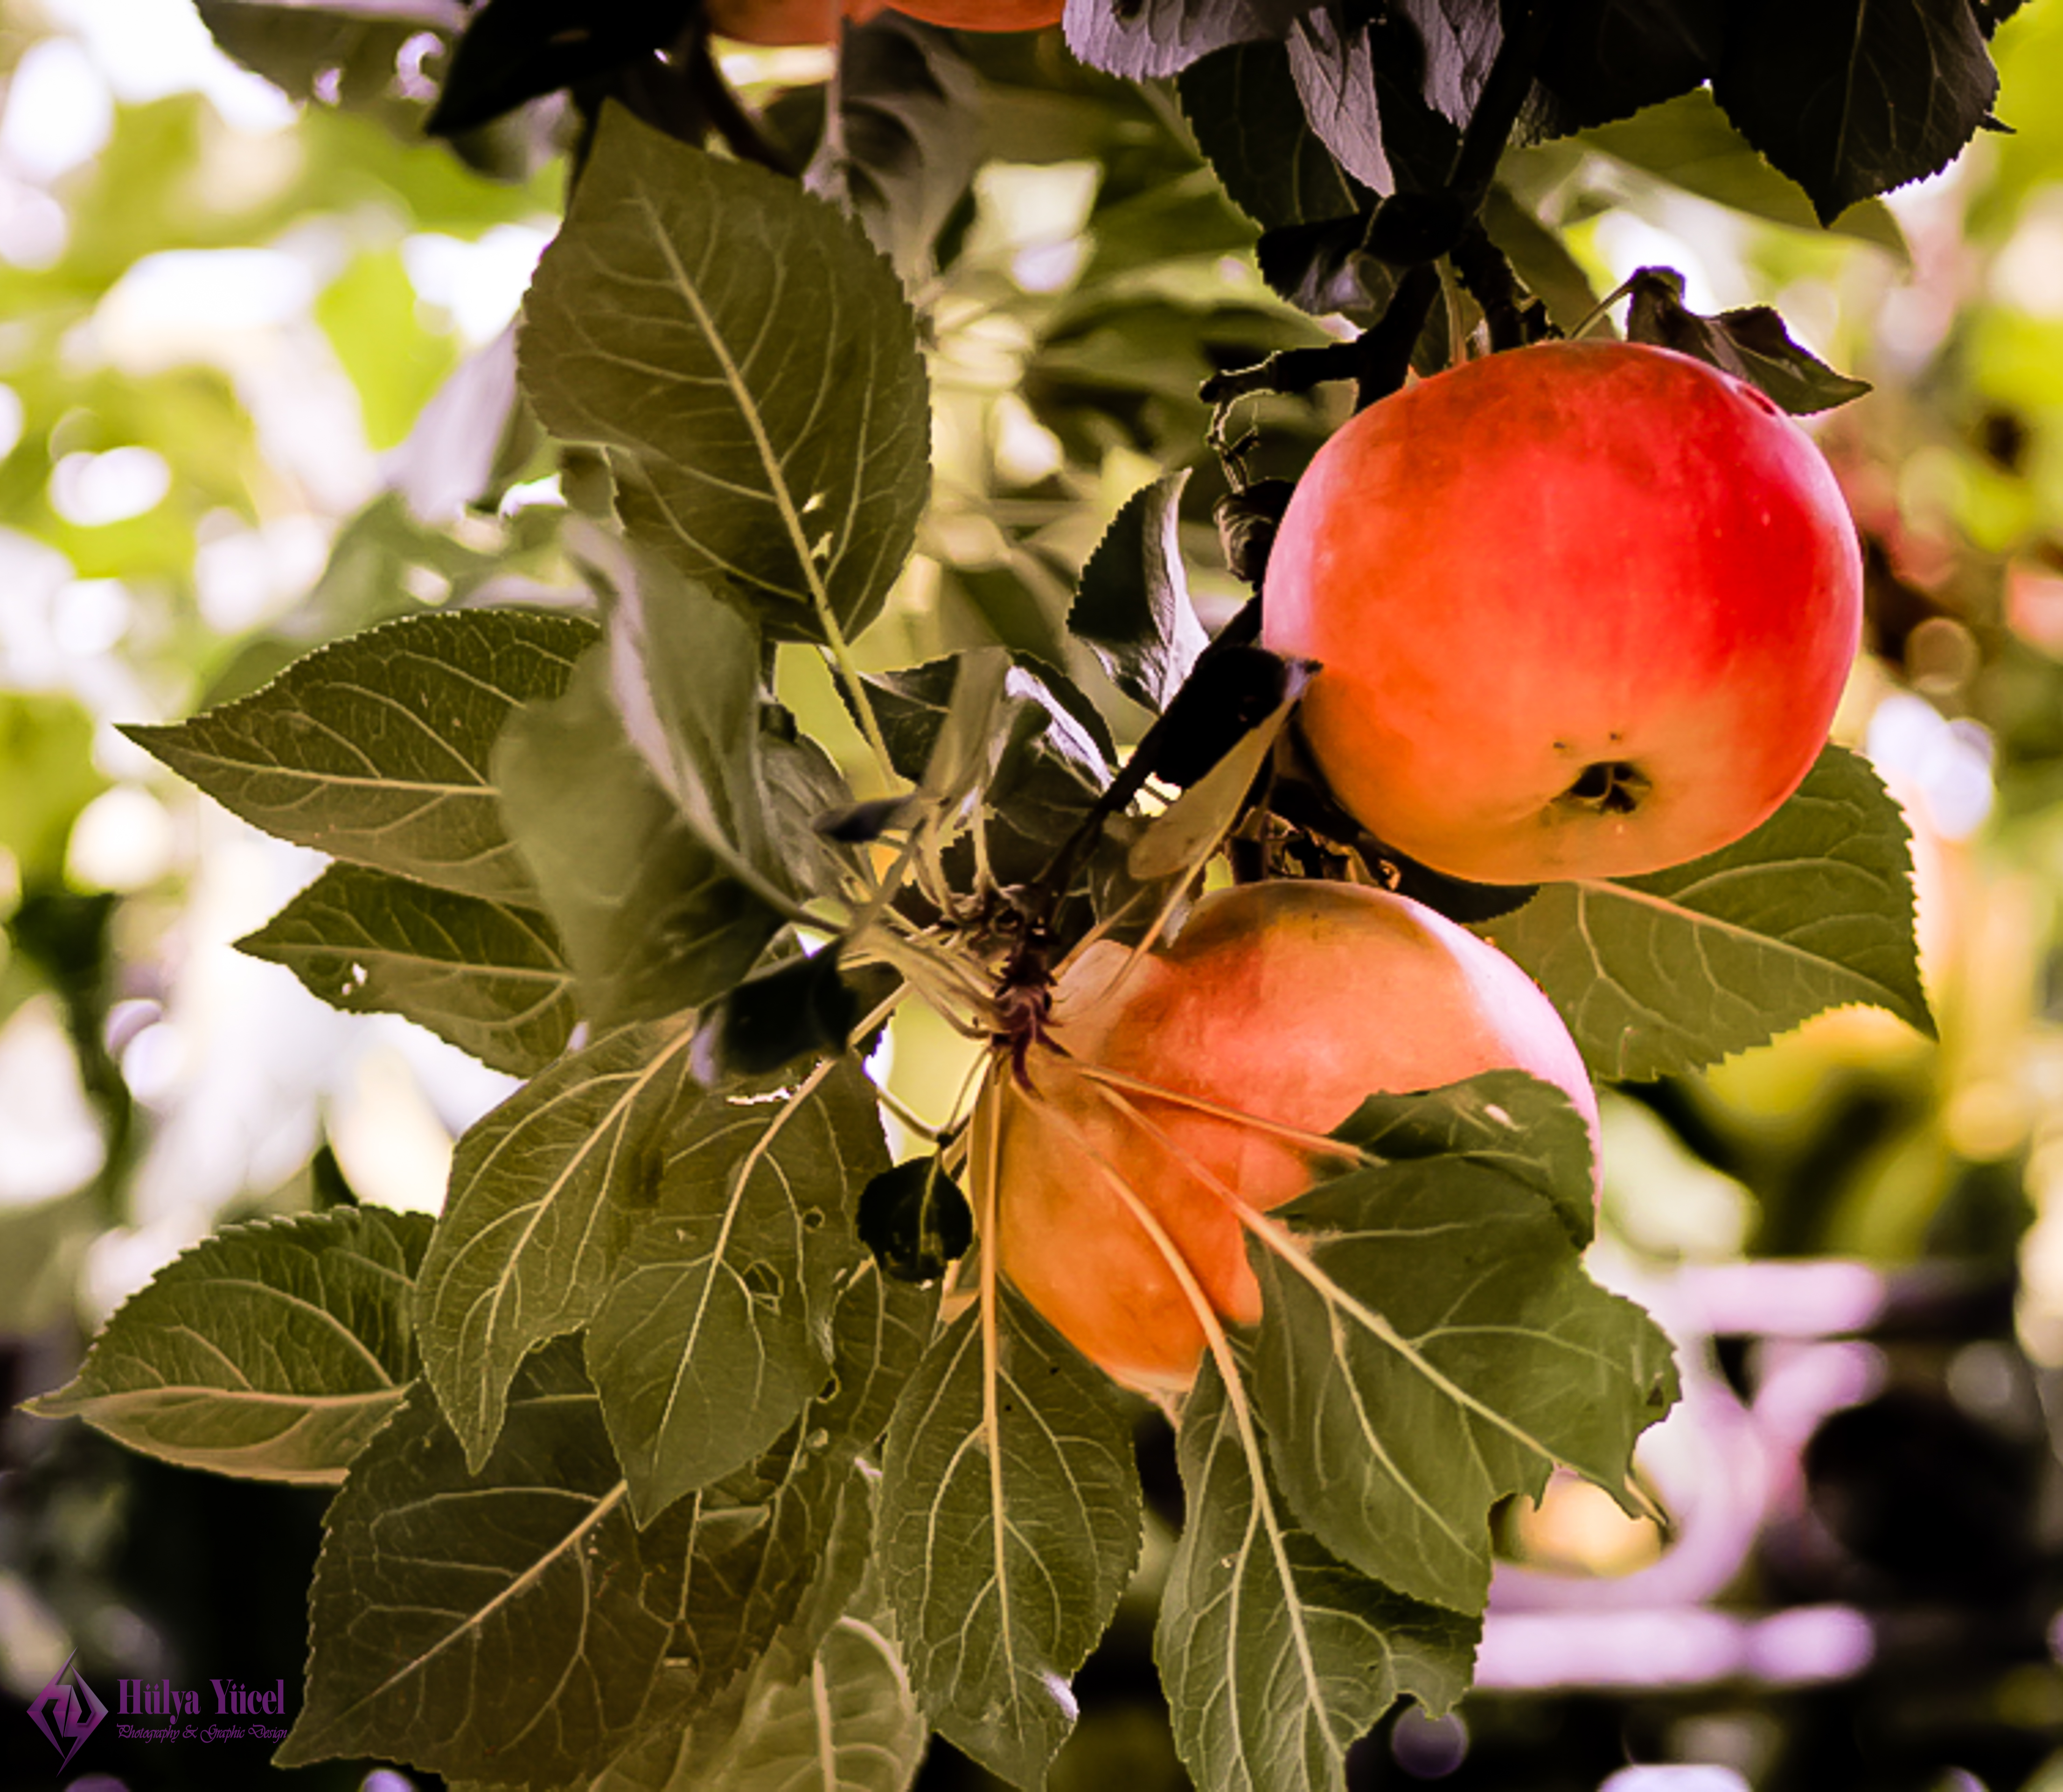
point(1286, 1003)
point(1583, 609)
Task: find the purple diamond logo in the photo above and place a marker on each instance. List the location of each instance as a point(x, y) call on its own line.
point(67, 1711)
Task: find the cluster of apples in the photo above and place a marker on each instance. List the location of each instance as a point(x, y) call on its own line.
point(1582, 610)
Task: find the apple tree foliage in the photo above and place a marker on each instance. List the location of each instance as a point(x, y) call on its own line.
point(696, 1445)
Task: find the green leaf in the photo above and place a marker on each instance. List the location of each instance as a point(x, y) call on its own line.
point(752, 366)
point(271, 1351)
point(543, 1193)
point(1276, 1655)
point(487, 976)
point(1667, 973)
point(1507, 1120)
point(490, 1623)
point(1438, 1348)
point(1752, 344)
point(374, 749)
point(758, 1540)
point(1133, 606)
point(1010, 1521)
point(716, 1328)
point(652, 918)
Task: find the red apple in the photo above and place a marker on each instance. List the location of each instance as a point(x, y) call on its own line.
point(1289, 1002)
point(1583, 609)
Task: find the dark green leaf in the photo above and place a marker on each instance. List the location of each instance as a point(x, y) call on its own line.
point(1132, 607)
point(545, 1191)
point(1326, 268)
point(1852, 97)
point(915, 1220)
point(1688, 141)
point(272, 1350)
point(913, 705)
point(716, 1328)
point(487, 976)
point(1010, 1521)
point(902, 136)
point(1609, 58)
point(1276, 1655)
point(516, 49)
point(489, 1624)
point(376, 749)
point(1241, 103)
point(1439, 1348)
point(1336, 76)
point(1157, 38)
point(803, 1007)
point(1221, 733)
point(1667, 973)
point(1751, 344)
point(654, 921)
point(753, 366)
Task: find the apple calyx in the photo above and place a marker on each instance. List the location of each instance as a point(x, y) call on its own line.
point(1608, 787)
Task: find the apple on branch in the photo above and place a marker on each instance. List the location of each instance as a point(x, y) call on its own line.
point(1583, 609)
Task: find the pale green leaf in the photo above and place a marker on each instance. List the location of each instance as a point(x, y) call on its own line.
point(757, 1539)
point(1010, 1520)
point(836, 1715)
point(752, 365)
point(653, 920)
point(375, 749)
point(1276, 1655)
point(684, 674)
point(1437, 1346)
point(492, 1624)
point(1670, 972)
point(487, 976)
point(849, 1723)
point(544, 1191)
point(272, 1350)
point(717, 1325)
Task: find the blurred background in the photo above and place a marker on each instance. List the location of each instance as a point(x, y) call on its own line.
point(256, 392)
